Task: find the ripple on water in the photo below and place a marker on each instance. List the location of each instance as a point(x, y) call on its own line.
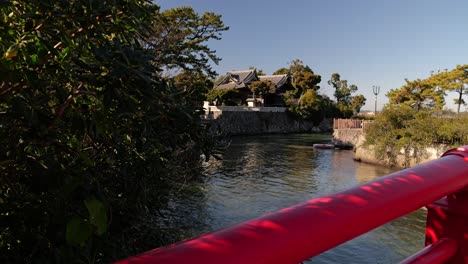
point(266, 173)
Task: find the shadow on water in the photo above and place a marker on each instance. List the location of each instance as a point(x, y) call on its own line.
point(266, 173)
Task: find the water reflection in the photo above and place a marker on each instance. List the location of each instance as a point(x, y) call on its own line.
point(266, 173)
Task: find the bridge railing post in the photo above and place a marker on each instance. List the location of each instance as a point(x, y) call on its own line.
point(447, 218)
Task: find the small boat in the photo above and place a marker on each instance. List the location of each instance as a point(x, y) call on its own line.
point(324, 146)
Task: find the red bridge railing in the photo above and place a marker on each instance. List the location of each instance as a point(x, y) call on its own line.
point(300, 232)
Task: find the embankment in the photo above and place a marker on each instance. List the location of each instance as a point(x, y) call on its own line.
point(347, 136)
point(356, 138)
point(366, 154)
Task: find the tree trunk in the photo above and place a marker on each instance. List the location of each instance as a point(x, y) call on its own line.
point(459, 100)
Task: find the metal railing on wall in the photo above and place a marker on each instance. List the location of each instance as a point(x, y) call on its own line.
point(339, 123)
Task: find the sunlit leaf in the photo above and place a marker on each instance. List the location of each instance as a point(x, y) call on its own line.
point(97, 214)
point(11, 53)
point(136, 101)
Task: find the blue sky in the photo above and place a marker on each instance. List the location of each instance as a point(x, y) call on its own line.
point(368, 42)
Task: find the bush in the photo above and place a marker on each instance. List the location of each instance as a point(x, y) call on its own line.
point(91, 142)
point(400, 127)
point(311, 106)
point(224, 96)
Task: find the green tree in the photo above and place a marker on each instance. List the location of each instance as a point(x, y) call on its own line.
point(310, 107)
point(418, 94)
point(196, 85)
point(281, 71)
point(307, 81)
point(179, 39)
point(401, 130)
point(92, 142)
point(345, 101)
point(305, 101)
point(303, 77)
point(298, 65)
point(459, 81)
point(262, 88)
point(357, 102)
point(455, 80)
point(224, 96)
point(387, 135)
point(343, 91)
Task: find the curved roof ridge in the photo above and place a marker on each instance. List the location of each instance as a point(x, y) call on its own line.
point(237, 71)
point(278, 79)
point(273, 75)
point(245, 76)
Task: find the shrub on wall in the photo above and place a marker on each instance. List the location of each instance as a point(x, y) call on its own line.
point(403, 130)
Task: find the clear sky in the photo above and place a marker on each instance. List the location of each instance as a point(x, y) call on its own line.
point(368, 42)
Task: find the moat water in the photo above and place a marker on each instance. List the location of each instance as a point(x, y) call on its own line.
point(261, 174)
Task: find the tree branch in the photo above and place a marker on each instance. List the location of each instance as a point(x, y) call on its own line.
point(66, 103)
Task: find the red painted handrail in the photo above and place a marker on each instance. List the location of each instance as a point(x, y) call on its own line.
point(299, 232)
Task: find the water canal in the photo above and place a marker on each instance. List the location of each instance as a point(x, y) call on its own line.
point(261, 174)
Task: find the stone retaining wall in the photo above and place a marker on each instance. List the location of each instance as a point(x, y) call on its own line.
point(347, 136)
point(366, 154)
point(260, 122)
point(356, 138)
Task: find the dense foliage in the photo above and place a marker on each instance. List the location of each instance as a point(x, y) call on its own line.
point(429, 93)
point(345, 101)
point(414, 120)
point(306, 101)
point(312, 106)
point(404, 130)
point(262, 88)
point(179, 38)
point(302, 99)
point(419, 94)
point(92, 140)
point(223, 96)
point(303, 77)
point(455, 80)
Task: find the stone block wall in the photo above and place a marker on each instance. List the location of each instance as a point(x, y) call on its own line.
point(347, 136)
point(356, 138)
point(258, 122)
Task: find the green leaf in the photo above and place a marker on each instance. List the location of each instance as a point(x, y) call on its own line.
point(97, 214)
point(84, 156)
point(78, 231)
point(136, 101)
point(34, 58)
point(64, 53)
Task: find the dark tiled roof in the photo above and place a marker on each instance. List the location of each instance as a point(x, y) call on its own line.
point(245, 76)
point(230, 85)
point(226, 79)
point(279, 80)
point(237, 79)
